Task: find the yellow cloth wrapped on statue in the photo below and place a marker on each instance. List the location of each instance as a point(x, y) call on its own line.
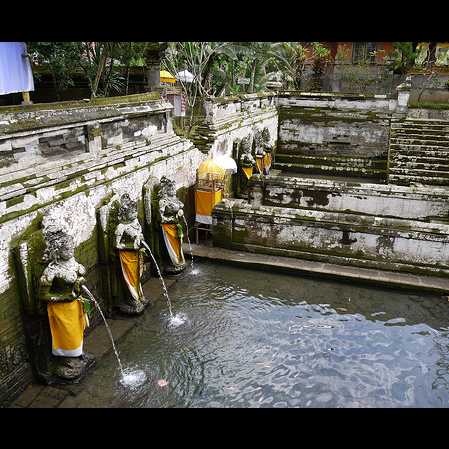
point(67, 324)
point(260, 162)
point(267, 162)
point(132, 268)
point(173, 243)
point(205, 201)
point(248, 171)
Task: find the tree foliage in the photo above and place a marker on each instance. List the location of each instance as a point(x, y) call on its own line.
point(403, 58)
point(102, 63)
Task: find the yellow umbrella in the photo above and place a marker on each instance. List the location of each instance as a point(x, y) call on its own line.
point(167, 77)
point(210, 169)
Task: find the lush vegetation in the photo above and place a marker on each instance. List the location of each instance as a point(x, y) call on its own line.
point(105, 65)
point(217, 66)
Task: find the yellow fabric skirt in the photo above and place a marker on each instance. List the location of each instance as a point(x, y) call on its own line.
point(260, 164)
point(267, 162)
point(248, 171)
point(67, 324)
point(132, 268)
point(173, 243)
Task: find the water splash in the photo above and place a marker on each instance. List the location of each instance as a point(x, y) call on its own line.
point(160, 277)
point(133, 379)
point(177, 320)
point(92, 298)
point(190, 245)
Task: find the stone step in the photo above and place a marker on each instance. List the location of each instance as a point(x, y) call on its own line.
point(419, 141)
point(407, 158)
point(320, 269)
point(411, 136)
point(419, 126)
point(424, 149)
point(338, 151)
point(425, 120)
point(424, 172)
point(406, 180)
point(326, 169)
point(329, 160)
point(420, 132)
point(424, 165)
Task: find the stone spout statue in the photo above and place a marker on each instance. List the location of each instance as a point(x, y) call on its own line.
point(128, 244)
point(245, 166)
point(268, 149)
point(170, 211)
point(60, 287)
point(259, 152)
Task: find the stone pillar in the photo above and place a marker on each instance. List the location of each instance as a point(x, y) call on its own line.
point(153, 55)
point(404, 94)
point(94, 139)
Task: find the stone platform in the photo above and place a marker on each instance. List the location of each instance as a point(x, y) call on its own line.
point(307, 267)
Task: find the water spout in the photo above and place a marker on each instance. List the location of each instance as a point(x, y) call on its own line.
point(92, 298)
point(160, 277)
point(128, 378)
point(174, 320)
point(190, 244)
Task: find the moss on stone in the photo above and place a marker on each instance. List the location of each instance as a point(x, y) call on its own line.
point(98, 101)
point(16, 200)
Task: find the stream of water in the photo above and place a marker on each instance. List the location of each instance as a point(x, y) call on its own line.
point(92, 298)
point(129, 377)
point(175, 320)
point(190, 245)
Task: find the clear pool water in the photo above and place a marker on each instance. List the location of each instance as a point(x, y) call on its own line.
point(259, 339)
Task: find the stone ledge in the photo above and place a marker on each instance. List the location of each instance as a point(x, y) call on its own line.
point(409, 228)
point(299, 266)
point(327, 95)
point(126, 99)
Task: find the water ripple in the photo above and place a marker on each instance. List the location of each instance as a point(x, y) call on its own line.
point(252, 340)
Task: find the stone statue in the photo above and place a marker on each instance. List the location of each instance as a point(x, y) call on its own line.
point(267, 148)
point(128, 244)
point(246, 163)
point(259, 152)
point(60, 287)
point(170, 211)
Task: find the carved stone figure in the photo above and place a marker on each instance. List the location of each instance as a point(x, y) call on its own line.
point(268, 149)
point(60, 287)
point(246, 164)
point(128, 238)
point(259, 152)
point(170, 211)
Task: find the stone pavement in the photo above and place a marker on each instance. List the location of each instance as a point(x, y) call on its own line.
point(288, 264)
point(98, 343)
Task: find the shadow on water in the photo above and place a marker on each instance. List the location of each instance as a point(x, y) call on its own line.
point(258, 339)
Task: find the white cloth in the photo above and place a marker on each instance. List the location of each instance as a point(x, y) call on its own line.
point(15, 69)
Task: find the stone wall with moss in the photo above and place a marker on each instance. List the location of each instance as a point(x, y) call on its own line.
point(423, 203)
point(334, 237)
point(334, 134)
point(126, 141)
point(225, 120)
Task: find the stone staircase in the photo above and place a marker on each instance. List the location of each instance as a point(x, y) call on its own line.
point(419, 152)
point(329, 164)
